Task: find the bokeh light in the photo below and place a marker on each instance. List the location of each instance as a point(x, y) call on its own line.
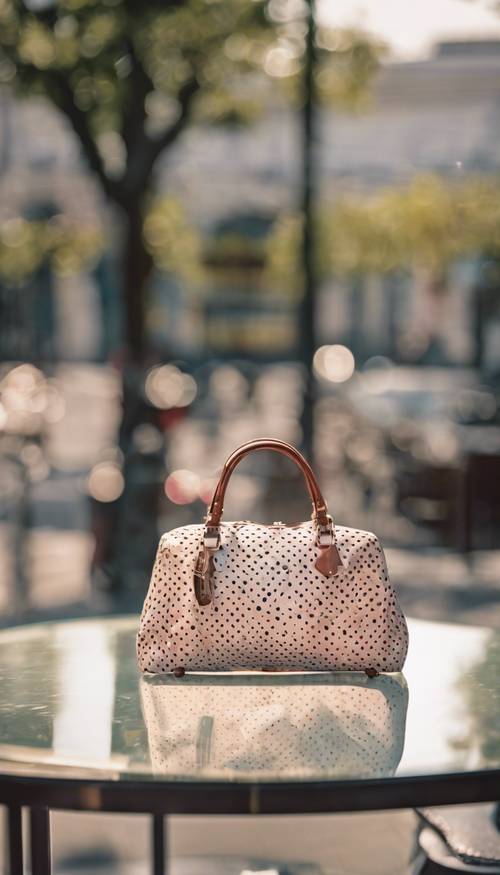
point(182, 486)
point(207, 487)
point(28, 400)
point(334, 363)
point(166, 386)
point(147, 438)
point(280, 62)
point(105, 482)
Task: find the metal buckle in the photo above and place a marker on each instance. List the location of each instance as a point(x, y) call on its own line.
point(211, 538)
point(326, 535)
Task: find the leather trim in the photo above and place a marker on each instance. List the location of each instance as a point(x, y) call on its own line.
point(329, 560)
point(215, 510)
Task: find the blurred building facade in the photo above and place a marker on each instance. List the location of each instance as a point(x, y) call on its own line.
point(441, 114)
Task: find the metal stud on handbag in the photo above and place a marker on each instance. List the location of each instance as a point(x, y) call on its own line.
point(311, 597)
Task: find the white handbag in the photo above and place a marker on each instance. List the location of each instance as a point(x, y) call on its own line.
point(318, 726)
point(226, 595)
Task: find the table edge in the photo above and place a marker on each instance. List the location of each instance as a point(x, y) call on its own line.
point(225, 797)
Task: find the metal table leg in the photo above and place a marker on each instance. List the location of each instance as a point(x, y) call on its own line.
point(15, 840)
point(159, 856)
point(40, 841)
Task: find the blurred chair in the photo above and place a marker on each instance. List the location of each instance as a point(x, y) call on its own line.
point(432, 496)
point(481, 502)
point(458, 838)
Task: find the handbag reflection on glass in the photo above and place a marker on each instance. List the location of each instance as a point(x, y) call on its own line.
point(240, 595)
point(315, 725)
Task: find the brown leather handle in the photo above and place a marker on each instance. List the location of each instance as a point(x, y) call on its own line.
point(327, 563)
point(320, 511)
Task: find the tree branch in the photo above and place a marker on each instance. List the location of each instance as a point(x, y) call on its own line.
point(62, 95)
point(135, 114)
point(185, 99)
point(140, 164)
point(57, 86)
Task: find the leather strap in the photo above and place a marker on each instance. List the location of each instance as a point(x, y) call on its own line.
point(215, 510)
point(327, 563)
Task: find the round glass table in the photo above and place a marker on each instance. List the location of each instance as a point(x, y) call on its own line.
point(81, 729)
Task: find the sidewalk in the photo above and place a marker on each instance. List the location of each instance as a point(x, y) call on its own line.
point(354, 844)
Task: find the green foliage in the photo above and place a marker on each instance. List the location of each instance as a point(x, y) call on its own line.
point(429, 223)
point(283, 255)
point(70, 247)
point(134, 72)
point(26, 245)
point(348, 60)
point(172, 240)
point(129, 76)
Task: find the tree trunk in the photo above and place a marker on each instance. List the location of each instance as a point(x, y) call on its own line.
point(126, 529)
point(138, 267)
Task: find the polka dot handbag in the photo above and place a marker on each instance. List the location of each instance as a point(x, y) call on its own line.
point(227, 595)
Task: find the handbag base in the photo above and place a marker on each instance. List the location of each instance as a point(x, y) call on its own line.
point(180, 671)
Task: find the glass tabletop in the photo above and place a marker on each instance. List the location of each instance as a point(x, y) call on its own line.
point(73, 704)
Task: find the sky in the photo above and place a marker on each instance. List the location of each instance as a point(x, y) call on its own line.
point(412, 26)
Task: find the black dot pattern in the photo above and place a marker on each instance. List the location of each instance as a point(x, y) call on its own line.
point(278, 730)
point(271, 607)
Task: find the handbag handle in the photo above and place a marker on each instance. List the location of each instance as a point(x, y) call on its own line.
point(328, 563)
point(216, 507)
